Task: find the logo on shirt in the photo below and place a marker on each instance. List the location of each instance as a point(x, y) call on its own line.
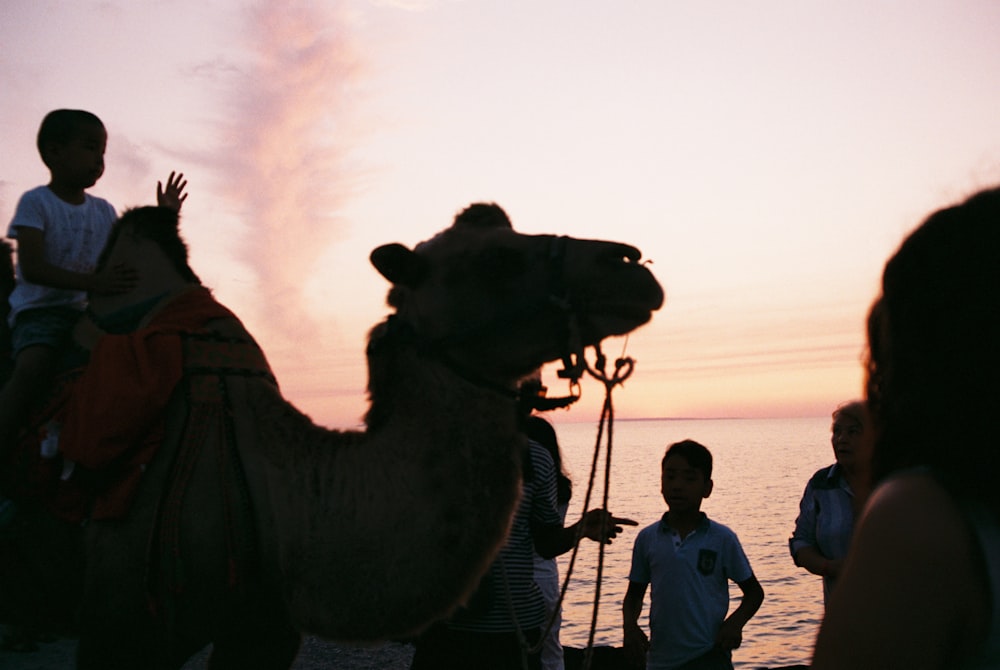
point(706, 561)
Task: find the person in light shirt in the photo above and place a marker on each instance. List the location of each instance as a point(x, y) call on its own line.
point(834, 496)
point(688, 561)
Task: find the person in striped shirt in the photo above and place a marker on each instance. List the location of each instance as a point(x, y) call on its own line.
point(500, 627)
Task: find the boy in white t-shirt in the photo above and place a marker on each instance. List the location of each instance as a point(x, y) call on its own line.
point(60, 230)
point(688, 560)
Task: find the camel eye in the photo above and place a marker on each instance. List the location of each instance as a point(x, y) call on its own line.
point(495, 265)
point(490, 270)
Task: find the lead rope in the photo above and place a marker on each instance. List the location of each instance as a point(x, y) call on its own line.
point(623, 370)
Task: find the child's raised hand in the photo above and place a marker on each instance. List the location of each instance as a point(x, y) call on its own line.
point(113, 280)
point(173, 196)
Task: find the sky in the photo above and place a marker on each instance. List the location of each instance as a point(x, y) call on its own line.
point(767, 157)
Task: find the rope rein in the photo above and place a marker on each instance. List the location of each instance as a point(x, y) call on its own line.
point(623, 370)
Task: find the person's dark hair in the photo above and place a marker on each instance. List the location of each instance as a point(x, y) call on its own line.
point(873, 328)
point(935, 350)
point(60, 126)
point(696, 454)
point(160, 225)
point(541, 431)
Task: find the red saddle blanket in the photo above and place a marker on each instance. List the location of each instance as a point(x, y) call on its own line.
point(111, 413)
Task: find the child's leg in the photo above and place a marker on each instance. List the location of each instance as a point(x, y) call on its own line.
point(38, 338)
point(34, 369)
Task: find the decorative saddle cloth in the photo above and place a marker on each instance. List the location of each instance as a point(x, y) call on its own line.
point(110, 415)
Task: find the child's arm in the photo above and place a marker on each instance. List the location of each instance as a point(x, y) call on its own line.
point(37, 270)
point(635, 641)
point(731, 632)
point(173, 196)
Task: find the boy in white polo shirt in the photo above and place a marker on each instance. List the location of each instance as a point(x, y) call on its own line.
point(687, 559)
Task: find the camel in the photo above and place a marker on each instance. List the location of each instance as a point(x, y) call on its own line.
point(250, 524)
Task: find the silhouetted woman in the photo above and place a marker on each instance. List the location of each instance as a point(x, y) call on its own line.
point(921, 585)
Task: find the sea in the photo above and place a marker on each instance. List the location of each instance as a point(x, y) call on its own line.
point(761, 467)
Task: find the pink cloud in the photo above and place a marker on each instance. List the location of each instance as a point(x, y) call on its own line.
point(287, 130)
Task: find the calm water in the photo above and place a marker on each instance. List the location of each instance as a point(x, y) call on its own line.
point(761, 468)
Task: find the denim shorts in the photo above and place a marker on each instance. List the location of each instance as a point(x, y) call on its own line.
point(49, 326)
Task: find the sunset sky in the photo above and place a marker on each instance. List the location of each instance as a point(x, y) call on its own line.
point(766, 156)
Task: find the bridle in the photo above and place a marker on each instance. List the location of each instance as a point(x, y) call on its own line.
point(555, 295)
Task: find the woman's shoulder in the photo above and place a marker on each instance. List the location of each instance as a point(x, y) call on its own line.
point(911, 568)
point(914, 502)
point(901, 515)
point(918, 481)
point(913, 490)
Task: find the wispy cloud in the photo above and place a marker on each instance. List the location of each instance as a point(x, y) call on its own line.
point(411, 5)
point(288, 126)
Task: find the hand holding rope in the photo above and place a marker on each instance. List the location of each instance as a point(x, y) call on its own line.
point(624, 367)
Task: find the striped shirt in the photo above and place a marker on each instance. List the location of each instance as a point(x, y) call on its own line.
point(512, 593)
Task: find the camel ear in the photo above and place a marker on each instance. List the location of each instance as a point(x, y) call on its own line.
point(399, 265)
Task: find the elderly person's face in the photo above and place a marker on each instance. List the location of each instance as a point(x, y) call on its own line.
point(850, 447)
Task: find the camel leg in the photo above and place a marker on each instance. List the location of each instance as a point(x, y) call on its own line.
point(119, 641)
point(270, 645)
point(118, 630)
point(125, 649)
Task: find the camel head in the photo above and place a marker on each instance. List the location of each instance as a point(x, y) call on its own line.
point(500, 304)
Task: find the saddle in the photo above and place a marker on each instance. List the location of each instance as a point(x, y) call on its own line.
point(107, 417)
